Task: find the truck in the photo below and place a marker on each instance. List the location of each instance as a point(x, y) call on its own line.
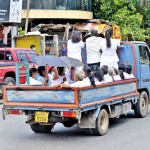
point(8, 59)
point(89, 107)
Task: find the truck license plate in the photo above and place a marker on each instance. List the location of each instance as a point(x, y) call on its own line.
point(41, 116)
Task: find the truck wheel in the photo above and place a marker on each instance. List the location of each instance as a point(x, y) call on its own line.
point(38, 128)
point(141, 107)
point(9, 81)
point(102, 123)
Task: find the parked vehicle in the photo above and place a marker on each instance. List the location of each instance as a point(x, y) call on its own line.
point(89, 107)
point(8, 58)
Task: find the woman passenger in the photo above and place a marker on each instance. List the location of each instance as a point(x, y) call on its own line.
point(85, 78)
point(107, 77)
point(129, 70)
point(113, 72)
point(74, 45)
point(109, 47)
point(97, 74)
point(122, 71)
point(44, 78)
point(32, 80)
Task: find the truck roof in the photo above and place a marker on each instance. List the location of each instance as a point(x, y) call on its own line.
point(18, 49)
point(138, 42)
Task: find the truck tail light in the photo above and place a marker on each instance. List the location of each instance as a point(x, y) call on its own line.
point(69, 114)
point(14, 112)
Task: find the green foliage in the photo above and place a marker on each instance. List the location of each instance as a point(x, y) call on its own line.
point(133, 19)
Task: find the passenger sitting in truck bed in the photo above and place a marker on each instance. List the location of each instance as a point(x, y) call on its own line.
point(83, 78)
point(61, 77)
point(87, 78)
point(53, 71)
point(107, 77)
point(122, 71)
point(44, 77)
point(32, 80)
point(97, 74)
point(129, 70)
point(113, 72)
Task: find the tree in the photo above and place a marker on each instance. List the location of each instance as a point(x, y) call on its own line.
point(130, 15)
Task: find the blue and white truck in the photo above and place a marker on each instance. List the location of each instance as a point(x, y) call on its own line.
point(87, 106)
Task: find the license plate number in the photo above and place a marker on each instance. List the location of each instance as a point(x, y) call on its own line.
point(41, 116)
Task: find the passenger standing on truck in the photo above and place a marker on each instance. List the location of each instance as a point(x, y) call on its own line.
point(109, 47)
point(93, 47)
point(74, 45)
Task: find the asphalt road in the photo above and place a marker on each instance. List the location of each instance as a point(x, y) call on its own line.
point(126, 133)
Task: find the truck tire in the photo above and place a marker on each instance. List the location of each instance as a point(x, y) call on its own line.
point(141, 107)
point(9, 81)
point(38, 128)
point(102, 124)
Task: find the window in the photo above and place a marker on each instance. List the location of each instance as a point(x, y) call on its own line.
point(61, 4)
point(2, 55)
point(78, 4)
point(144, 54)
point(71, 5)
point(32, 54)
point(8, 56)
point(22, 57)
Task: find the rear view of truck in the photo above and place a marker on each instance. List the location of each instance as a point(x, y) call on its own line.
point(89, 107)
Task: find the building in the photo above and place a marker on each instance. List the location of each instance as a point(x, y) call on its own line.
point(58, 9)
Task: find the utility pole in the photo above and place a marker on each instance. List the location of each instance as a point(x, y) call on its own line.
point(27, 16)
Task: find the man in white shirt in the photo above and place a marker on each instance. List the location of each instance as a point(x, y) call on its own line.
point(93, 49)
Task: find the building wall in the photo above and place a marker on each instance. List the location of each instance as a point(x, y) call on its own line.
point(60, 14)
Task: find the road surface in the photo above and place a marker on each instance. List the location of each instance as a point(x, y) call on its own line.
point(126, 133)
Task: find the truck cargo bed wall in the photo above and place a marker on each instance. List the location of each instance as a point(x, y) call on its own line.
point(108, 92)
point(40, 96)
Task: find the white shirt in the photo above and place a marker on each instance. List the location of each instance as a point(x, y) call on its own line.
point(117, 77)
point(59, 80)
point(97, 82)
point(132, 76)
point(93, 47)
point(74, 49)
point(33, 81)
point(84, 82)
point(42, 79)
point(126, 75)
point(109, 54)
point(108, 78)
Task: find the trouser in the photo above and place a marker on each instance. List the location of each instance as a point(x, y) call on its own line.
point(94, 64)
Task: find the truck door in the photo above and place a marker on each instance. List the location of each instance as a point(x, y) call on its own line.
point(145, 65)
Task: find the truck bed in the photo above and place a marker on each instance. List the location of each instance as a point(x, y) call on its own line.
point(48, 98)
